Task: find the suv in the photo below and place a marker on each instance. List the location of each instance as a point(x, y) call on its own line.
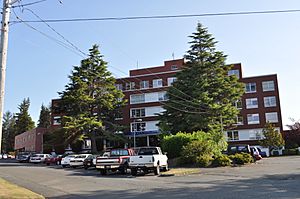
point(23, 156)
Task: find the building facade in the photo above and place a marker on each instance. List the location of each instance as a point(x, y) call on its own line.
point(31, 141)
point(145, 92)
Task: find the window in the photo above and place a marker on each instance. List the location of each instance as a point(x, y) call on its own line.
point(270, 101)
point(144, 84)
point(171, 80)
point(119, 87)
point(136, 99)
point(238, 104)
point(251, 87)
point(234, 72)
point(272, 117)
point(232, 135)
point(138, 112)
point(157, 83)
point(174, 67)
point(253, 118)
point(56, 120)
point(130, 86)
point(251, 103)
point(138, 126)
point(268, 86)
point(162, 96)
point(239, 120)
point(255, 135)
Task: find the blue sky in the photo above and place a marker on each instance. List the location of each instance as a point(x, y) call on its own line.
point(38, 67)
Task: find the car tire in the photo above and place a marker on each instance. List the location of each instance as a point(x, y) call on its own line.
point(63, 166)
point(133, 171)
point(166, 168)
point(103, 172)
point(48, 164)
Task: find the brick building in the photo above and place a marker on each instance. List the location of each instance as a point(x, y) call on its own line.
point(145, 92)
point(30, 140)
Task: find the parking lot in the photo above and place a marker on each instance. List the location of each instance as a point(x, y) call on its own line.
point(277, 177)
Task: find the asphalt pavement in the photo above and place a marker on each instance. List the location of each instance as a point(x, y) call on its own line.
point(277, 177)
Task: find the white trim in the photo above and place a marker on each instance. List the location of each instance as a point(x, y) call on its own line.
point(173, 71)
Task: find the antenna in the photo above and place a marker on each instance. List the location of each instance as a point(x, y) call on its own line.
point(173, 55)
point(137, 64)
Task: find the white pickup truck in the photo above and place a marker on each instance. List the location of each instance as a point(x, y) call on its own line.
point(148, 159)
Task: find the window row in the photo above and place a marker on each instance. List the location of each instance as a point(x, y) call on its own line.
point(266, 86)
point(148, 97)
point(271, 117)
point(156, 83)
point(269, 101)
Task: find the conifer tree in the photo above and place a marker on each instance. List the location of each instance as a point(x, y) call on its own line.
point(91, 101)
point(9, 132)
point(203, 95)
point(45, 117)
point(24, 121)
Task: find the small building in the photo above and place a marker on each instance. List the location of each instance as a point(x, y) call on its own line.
point(30, 140)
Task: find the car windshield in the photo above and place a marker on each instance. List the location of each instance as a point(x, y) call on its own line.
point(148, 151)
point(81, 156)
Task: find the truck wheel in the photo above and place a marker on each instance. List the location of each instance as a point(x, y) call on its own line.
point(133, 172)
point(157, 170)
point(123, 170)
point(103, 172)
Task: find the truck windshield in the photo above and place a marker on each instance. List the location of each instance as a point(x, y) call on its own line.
point(148, 151)
point(118, 152)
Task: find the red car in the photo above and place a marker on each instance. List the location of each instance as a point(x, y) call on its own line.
point(53, 159)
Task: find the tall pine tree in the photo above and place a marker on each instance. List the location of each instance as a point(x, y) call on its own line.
point(45, 117)
point(24, 121)
point(91, 101)
point(9, 132)
point(202, 98)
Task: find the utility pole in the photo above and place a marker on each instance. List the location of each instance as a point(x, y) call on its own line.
point(3, 56)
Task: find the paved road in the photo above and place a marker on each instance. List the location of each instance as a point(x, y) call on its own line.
point(270, 178)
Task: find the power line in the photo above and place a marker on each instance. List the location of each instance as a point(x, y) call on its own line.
point(161, 16)
point(28, 4)
point(64, 38)
point(66, 46)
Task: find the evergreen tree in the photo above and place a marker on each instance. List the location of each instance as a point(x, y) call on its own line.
point(202, 98)
point(24, 121)
point(9, 132)
point(45, 117)
point(272, 138)
point(91, 101)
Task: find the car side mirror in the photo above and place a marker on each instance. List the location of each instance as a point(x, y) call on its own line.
point(165, 153)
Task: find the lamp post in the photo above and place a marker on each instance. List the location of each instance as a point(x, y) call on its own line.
point(135, 129)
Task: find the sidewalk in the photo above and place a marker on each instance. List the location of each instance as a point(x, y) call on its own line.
point(11, 191)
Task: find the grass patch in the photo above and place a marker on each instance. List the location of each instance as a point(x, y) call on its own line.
point(9, 190)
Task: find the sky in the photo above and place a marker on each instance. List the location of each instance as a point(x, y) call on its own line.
point(38, 67)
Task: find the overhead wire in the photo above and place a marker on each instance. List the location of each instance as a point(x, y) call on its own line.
point(68, 47)
point(28, 4)
point(163, 16)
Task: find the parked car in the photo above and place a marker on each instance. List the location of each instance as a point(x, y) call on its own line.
point(117, 160)
point(255, 152)
point(77, 161)
point(53, 159)
point(38, 158)
point(65, 161)
point(262, 153)
point(90, 161)
point(148, 159)
point(238, 148)
point(23, 156)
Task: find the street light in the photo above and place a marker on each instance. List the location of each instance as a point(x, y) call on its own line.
point(135, 129)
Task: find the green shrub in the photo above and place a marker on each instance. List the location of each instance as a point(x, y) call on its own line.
point(290, 151)
point(241, 158)
point(173, 144)
point(221, 161)
point(204, 160)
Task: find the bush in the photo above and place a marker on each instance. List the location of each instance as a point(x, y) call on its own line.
point(241, 158)
point(221, 161)
point(204, 160)
point(290, 151)
point(173, 144)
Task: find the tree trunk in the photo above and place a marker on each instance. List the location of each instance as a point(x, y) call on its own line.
point(94, 144)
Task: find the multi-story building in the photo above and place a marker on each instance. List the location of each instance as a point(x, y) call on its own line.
point(30, 140)
point(145, 91)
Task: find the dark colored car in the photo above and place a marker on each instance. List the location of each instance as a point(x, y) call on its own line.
point(90, 162)
point(24, 156)
point(238, 148)
point(54, 159)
